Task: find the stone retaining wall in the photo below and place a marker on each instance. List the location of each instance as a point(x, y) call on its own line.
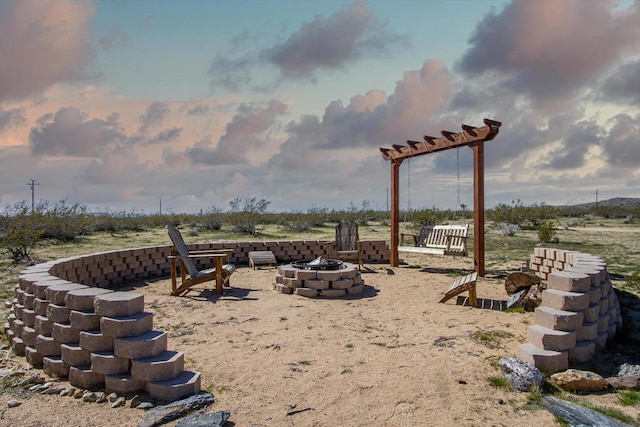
point(67, 318)
point(579, 312)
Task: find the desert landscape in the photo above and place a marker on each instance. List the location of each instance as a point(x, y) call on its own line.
point(390, 356)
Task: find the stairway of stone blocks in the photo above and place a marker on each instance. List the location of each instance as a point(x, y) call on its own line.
point(97, 338)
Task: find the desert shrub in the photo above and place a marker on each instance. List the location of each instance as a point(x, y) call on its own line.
point(510, 229)
point(547, 233)
point(62, 221)
point(20, 231)
point(633, 280)
point(212, 219)
point(245, 218)
point(524, 216)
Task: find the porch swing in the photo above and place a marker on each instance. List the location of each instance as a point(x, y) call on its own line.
point(437, 239)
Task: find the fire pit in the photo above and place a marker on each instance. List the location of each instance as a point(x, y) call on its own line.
point(321, 277)
point(320, 263)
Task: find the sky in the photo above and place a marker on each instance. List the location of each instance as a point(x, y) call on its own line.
point(186, 105)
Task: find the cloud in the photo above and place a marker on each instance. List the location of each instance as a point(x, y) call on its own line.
point(155, 114)
point(249, 129)
point(166, 135)
point(43, 42)
point(67, 133)
point(114, 38)
point(12, 117)
point(551, 50)
point(621, 144)
point(333, 42)
point(622, 85)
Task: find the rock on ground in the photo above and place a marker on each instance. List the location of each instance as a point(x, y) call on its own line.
point(520, 374)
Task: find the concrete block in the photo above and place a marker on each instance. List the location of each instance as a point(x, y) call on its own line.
point(149, 344)
point(582, 352)
point(595, 293)
point(17, 310)
point(183, 385)
point(356, 289)
point(283, 289)
point(74, 355)
point(611, 333)
point(306, 274)
point(29, 317)
point(545, 360)
point(306, 292)
point(587, 332)
point(95, 341)
point(601, 340)
point(58, 313)
point(118, 304)
point(595, 273)
point(27, 300)
point(558, 320)
point(109, 364)
point(316, 284)
point(563, 300)
point(342, 284)
point(129, 326)
point(603, 323)
point(17, 326)
point(123, 384)
point(329, 275)
point(40, 286)
point(17, 346)
point(47, 346)
point(43, 326)
point(55, 367)
point(82, 299)
point(56, 293)
point(84, 320)
point(83, 377)
point(29, 335)
point(27, 279)
point(64, 333)
point(33, 357)
point(167, 365)
point(591, 313)
point(40, 306)
point(569, 281)
point(332, 293)
point(549, 339)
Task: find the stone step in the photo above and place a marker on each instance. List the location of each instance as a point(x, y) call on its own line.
point(17, 345)
point(82, 299)
point(82, 377)
point(55, 367)
point(95, 341)
point(167, 365)
point(582, 352)
point(149, 344)
point(118, 304)
point(29, 336)
point(128, 326)
point(40, 286)
point(58, 313)
point(40, 306)
point(47, 345)
point(185, 384)
point(550, 339)
point(563, 300)
point(123, 384)
point(65, 334)
point(33, 356)
point(56, 293)
point(108, 363)
point(74, 355)
point(559, 320)
point(84, 320)
point(545, 360)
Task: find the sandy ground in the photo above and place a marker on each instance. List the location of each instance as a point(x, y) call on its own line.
point(393, 356)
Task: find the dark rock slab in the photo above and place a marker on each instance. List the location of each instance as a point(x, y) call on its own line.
point(217, 419)
point(578, 415)
point(165, 413)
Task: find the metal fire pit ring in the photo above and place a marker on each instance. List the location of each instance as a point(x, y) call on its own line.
point(319, 264)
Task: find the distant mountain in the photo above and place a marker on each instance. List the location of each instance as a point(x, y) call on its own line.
point(627, 202)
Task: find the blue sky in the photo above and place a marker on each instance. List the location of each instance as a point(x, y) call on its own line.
point(118, 104)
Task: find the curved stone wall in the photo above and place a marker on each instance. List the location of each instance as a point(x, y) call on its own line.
point(579, 312)
point(68, 318)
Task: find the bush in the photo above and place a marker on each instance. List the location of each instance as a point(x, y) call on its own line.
point(246, 219)
point(633, 280)
point(510, 229)
point(20, 231)
point(547, 233)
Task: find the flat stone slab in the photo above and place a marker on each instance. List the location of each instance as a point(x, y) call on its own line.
point(545, 360)
point(149, 344)
point(128, 326)
point(118, 304)
point(82, 299)
point(167, 365)
point(164, 413)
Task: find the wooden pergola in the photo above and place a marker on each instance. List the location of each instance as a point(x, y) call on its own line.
point(472, 137)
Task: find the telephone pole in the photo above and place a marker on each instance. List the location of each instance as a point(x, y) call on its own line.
point(596, 198)
point(33, 184)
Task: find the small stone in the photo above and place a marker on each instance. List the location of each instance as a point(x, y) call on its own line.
point(78, 393)
point(628, 382)
point(113, 397)
point(575, 380)
point(64, 392)
point(89, 397)
point(13, 403)
point(120, 401)
point(520, 374)
point(102, 397)
point(36, 379)
point(52, 390)
point(627, 369)
point(145, 405)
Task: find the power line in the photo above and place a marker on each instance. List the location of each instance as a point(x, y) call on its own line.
point(33, 184)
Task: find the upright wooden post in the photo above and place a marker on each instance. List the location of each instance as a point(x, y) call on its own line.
point(395, 211)
point(478, 207)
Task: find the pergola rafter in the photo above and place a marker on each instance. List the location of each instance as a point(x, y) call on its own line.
point(470, 136)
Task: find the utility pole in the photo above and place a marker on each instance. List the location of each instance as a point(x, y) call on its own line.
point(596, 198)
point(32, 184)
point(160, 206)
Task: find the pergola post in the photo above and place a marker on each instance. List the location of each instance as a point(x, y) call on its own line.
point(478, 207)
point(395, 210)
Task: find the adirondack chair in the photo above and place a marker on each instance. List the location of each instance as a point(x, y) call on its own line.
point(347, 246)
point(189, 273)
